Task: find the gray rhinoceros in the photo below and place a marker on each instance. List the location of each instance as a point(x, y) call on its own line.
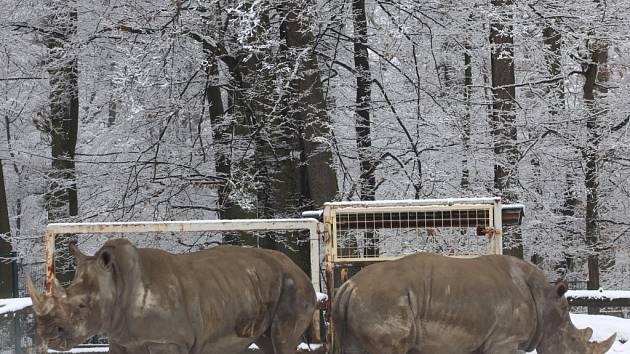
point(429, 304)
point(149, 301)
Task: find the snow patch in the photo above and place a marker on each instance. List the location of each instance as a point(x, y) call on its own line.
point(13, 305)
point(83, 350)
point(599, 294)
point(321, 297)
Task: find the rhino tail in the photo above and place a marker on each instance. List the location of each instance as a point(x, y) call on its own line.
point(340, 315)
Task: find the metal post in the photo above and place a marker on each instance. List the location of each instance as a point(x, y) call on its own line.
point(496, 239)
point(49, 241)
point(314, 237)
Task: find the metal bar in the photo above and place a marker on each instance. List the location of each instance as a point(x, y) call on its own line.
point(495, 244)
point(410, 208)
point(599, 302)
point(49, 242)
point(185, 226)
point(412, 202)
point(315, 279)
point(389, 258)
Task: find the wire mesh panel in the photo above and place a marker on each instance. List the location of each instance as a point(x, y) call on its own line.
point(369, 231)
point(186, 236)
point(364, 233)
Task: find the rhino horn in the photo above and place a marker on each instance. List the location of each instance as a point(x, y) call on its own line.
point(586, 333)
point(76, 253)
point(603, 346)
point(40, 301)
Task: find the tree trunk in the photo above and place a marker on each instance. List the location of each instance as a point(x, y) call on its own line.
point(222, 130)
point(553, 57)
point(252, 101)
point(568, 210)
point(61, 195)
point(503, 115)
point(468, 81)
point(367, 180)
point(6, 268)
point(306, 111)
point(595, 73)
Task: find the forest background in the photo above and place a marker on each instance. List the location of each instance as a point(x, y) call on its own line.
point(119, 110)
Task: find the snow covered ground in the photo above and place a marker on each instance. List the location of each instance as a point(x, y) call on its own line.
point(603, 326)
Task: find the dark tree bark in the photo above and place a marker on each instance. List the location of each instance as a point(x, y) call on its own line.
point(63, 122)
point(253, 88)
point(568, 210)
point(306, 111)
point(363, 101)
point(503, 121)
point(468, 81)
point(553, 57)
point(6, 268)
point(367, 180)
point(595, 73)
point(222, 130)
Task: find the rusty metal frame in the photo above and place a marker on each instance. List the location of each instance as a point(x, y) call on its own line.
point(312, 225)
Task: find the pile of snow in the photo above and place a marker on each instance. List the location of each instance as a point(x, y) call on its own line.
point(321, 297)
point(13, 305)
point(599, 294)
point(84, 350)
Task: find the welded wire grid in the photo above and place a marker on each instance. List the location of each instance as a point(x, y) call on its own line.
point(449, 231)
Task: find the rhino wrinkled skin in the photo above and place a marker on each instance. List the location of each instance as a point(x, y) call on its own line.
point(148, 301)
point(429, 304)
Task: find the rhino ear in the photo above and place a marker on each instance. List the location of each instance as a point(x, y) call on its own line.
point(586, 333)
point(58, 292)
point(76, 253)
point(561, 288)
point(105, 259)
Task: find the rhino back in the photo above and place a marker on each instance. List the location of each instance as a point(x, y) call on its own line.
point(434, 301)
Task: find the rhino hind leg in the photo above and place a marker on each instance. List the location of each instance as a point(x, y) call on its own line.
point(293, 315)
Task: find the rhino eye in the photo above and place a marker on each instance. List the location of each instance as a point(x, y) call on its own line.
point(61, 331)
point(81, 305)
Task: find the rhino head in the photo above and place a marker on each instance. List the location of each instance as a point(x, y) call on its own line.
point(560, 336)
point(68, 317)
